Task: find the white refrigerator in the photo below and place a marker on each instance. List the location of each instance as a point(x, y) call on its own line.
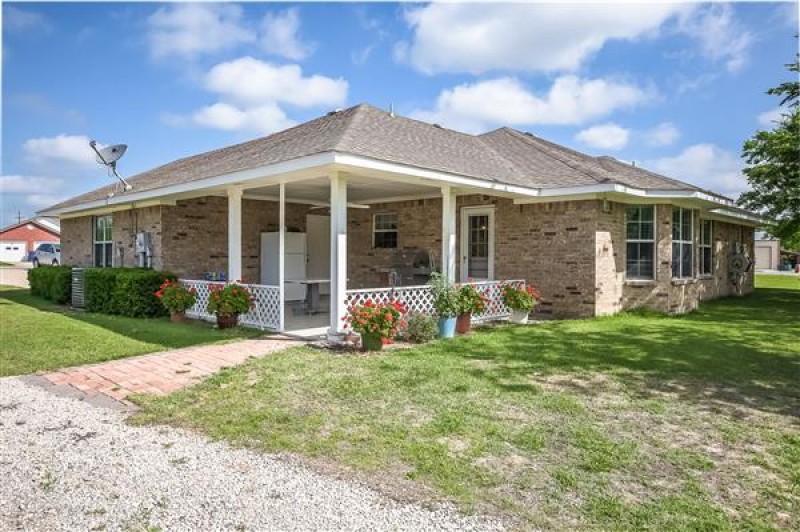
point(295, 266)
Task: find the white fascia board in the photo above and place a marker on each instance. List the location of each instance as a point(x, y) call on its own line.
point(347, 161)
point(567, 193)
point(234, 178)
point(738, 216)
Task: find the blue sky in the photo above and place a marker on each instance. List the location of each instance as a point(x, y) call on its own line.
point(675, 87)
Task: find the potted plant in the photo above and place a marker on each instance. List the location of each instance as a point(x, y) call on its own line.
point(446, 304)
point(177, 299)
point(470, 302)
point(377, 324)
point(520, 298)
point(228, 301)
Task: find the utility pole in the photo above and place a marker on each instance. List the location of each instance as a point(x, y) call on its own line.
point(19, 217)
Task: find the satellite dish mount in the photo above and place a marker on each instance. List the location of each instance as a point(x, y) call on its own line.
point(108, 157)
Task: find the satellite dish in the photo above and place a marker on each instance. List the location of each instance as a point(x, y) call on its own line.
point(108, 157)
point(110, 154)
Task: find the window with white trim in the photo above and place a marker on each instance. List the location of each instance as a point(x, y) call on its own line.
point(384, 230)
point(682, 243)
point(706, 255)
point(103, 241)
point(640, 247)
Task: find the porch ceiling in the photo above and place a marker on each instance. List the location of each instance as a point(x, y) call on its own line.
point(360, 189)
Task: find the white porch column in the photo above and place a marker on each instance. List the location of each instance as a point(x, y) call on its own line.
point(338, 274)
point(282, 254)
point(448, 233)
point(234, 233)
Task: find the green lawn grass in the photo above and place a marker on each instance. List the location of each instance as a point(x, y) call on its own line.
point(2, 263)
point(638, 421)
point(38, 335)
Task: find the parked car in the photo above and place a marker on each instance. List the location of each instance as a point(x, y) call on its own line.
point(47, 255)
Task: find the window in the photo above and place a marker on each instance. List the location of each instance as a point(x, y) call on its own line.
point(103, 246)
point(640, 243)
point(706, 254)
point(682, 250)
point(384, 232)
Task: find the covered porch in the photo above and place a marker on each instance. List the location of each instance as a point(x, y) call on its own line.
point(338, 241)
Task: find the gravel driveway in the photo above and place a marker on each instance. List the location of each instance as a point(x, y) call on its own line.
point(67, 465)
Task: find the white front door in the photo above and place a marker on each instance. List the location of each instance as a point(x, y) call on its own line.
point(318, 228)
point(477, 243)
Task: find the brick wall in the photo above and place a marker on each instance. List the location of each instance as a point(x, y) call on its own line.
point(573, 251)
point(76, 241)
point(663, 293)
point(126, 224)
point(196, 234)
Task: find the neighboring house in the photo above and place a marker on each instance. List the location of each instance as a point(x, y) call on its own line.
point(363, 194)
point(17, 241)
point(767, 252)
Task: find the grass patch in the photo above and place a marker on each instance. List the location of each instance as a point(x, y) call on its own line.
point(38, 335)
point(638, 421)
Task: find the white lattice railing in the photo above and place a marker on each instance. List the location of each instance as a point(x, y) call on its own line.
point(265, 313)
point(420, 299)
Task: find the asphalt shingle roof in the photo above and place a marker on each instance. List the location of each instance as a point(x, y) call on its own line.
point(504, 155)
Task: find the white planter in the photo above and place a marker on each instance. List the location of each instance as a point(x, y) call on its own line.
point(519, 316)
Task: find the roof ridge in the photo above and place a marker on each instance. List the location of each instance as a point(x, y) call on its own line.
point(527, 139)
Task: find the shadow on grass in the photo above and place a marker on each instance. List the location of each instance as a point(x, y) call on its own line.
point(158, 331)
point(734, 351)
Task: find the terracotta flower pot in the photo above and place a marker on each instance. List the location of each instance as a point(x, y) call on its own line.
point(178, 316)
point(227, 322)
point(464, 323)
point(371, 342)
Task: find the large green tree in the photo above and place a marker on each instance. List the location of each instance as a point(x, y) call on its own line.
point(773, 164)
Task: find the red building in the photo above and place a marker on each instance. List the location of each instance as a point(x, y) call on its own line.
point(18, 240)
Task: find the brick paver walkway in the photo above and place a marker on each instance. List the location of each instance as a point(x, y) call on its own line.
point(161, 373)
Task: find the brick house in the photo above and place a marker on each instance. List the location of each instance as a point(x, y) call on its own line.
point(339, 205)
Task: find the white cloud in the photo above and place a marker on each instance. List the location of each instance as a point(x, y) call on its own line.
point(707, 166)
point(193, 29)
point(252, 92)
point(18, 184)
point(772, 117)
point(72, 149)
point(19, 20)
point(608, 136)
point(30, 193)
point(719, 34)
point(479, 38)
point(506, 101)
point(664, 134)
point(40, 201)
point(262, 119)
point(250, 81)
point(279, 35)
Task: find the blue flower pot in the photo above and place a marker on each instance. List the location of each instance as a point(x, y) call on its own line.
point(447, 327)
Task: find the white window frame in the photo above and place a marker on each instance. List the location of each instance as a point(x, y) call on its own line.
point(375, 229)
point(641, 241)
point(683, 241)
point(703, 245)
point(107, 261)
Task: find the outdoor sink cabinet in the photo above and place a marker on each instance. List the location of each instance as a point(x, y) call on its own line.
point(314, 218)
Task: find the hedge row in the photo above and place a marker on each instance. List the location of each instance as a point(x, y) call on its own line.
point(51, 282)
point(125, 291)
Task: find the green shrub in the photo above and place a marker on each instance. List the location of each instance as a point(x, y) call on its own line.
point(125, 291)
point(420, 328)
point(99, 289)
point(53, 283)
